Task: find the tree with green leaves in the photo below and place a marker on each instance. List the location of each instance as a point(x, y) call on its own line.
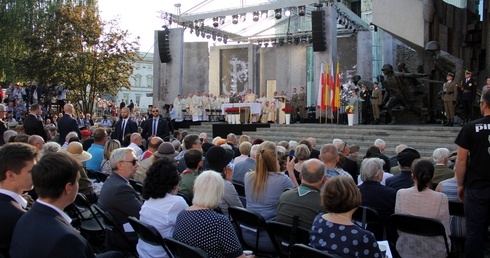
point(90, 56)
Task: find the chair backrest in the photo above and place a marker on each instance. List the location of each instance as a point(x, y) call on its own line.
point(178, 249)
point(417, 225)
point(456, 209)
point(101, 177)
point(109, 222)
point(284, 236)
point(369, 216)
point(249, 219)
point(187, 198)
point(146, 232)
point(82, 201)
point(240, 189)
point(304, 251)
point(138, 187)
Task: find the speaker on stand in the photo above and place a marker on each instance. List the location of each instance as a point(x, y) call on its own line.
point(164, 46)
point(318, 30)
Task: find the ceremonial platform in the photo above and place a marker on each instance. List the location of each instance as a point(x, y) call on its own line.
point(424, 138)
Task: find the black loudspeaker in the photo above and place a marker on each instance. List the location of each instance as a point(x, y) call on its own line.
point(164, 46)
point(318, 30)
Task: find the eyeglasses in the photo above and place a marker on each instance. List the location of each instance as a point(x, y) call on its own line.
point(154, 111)
point(134, 161)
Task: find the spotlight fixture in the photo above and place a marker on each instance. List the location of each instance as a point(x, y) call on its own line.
point(203, 34)
point(296, 40)
point(281, 42)
point(225, 40)
point(201, 23)
point(243, 17)
point(274, 42)
point(196, 24)
point(310, 39)
point(259, 42)
point(255, 16)
point(198, 32)
point(234, 19)
point(220, 39)
point(214, 37)
point(264, 14)
point(301, 10)
point(278, 14)
point(266, 44)
point(287, 12)
point(222, 20)
point(304, 39)
point(215, 22)
point(290, 40)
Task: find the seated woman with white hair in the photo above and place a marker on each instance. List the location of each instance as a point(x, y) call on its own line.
point(374, 194)
point(201, 227)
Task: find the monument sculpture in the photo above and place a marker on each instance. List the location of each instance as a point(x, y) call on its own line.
point(403, 102)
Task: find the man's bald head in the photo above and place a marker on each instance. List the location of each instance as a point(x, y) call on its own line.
point(68, 108)
point(313, 171)
point(154, 144)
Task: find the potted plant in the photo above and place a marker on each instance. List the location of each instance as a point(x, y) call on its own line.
point(288, 111)
point(350, 114)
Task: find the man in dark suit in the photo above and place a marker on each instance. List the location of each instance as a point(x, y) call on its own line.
point(46, 227)
point(67, 124)
point(32, 125)
point(118, 198)
point(468, 94)
point(124, 126)
point(156, 126)
point(17, 162)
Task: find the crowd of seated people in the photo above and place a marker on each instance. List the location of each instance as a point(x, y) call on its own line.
point(282, 182)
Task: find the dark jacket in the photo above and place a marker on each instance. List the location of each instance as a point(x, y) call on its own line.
point(10, 213)
point(34, 126)
point(67, 124)
point(42, 232)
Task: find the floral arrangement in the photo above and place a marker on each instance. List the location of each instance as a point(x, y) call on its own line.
point(349, 109)
point(288, 110)
point(232, 110)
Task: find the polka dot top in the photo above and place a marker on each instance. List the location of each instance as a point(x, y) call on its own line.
point(343, 240)
point(208, 230)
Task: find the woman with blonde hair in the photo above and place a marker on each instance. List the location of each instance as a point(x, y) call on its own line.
point(263, 187)
point(110, 145)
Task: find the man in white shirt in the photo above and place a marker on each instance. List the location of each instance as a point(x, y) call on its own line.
point(15, 178)
point(136, 142)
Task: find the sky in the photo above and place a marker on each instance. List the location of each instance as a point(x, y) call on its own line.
point(141, 17)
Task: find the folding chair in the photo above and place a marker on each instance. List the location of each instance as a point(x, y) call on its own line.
point(370, 220)
point(304, 251)
point(416, 225)
point(284, 236)
point(177, 249)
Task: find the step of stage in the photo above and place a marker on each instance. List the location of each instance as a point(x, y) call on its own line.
point(424, 138)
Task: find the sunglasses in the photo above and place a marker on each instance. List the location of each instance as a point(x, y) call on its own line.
point(134, 161)
point(154, 111)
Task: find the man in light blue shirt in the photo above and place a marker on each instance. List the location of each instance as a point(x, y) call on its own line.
point(97, 149)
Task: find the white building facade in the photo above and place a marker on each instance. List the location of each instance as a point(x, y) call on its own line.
point(141, 82)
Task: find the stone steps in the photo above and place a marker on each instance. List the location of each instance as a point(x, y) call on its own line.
point(424, 138)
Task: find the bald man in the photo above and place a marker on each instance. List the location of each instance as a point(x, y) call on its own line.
point(67, 124)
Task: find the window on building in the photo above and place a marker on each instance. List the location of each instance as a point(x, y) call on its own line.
point(149, 81)
point(137, 99)
point(137, 80)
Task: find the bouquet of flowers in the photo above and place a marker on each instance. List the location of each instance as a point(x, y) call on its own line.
point(232, 110)
point(288, 110)
point(349, 109)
